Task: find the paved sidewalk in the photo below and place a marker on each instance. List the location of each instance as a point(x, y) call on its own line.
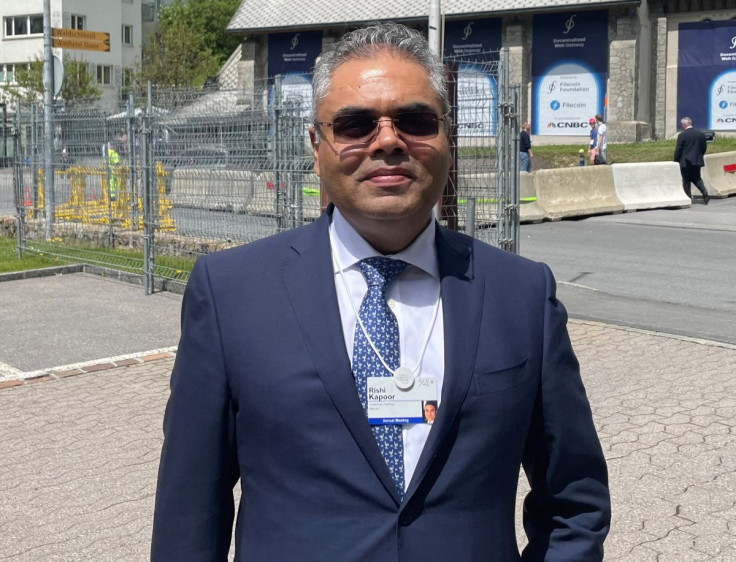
point(79, 453)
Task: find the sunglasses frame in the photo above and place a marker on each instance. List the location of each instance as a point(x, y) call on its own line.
point(377, 127)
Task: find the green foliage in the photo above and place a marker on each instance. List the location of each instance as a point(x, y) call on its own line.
point(209, 20)
point(190, 45)
point(78, 86)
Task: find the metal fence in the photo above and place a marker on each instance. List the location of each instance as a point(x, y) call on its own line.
point(166, 176)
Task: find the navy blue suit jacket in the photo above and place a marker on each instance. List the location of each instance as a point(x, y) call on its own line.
point(262, 390)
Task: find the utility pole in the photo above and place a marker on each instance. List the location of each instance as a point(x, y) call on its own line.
point(434, 37)
point(48, 120)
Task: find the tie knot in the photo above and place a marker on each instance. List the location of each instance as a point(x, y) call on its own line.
point(379, 272)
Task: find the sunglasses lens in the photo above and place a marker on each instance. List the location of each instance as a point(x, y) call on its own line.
point(353, 128)
point(418, 125)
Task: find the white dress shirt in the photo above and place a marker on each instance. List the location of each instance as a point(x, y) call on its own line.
point(414, 298)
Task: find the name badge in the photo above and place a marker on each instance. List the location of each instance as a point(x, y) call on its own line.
point(389, 405)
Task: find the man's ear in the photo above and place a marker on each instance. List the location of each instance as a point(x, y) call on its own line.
point(315, 148)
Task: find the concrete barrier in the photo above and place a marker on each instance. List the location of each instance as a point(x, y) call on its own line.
point(212, 189)
point(291, 184)
point(484, 186)
point(718, 182)
point(578, 191)
point(530, 211)
point(649, 185)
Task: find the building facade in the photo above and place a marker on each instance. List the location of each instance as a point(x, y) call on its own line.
point(123, 20)
point(640, 63)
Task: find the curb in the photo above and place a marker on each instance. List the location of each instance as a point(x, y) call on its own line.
point(689, 339)
point(43, 272)
point(98, 365)
point(159, 284)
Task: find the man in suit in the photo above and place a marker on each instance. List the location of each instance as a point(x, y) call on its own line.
point(689, 152)
point(301, 353)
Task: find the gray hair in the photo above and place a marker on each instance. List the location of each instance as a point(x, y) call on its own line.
point(363, 44)
point(686, 121)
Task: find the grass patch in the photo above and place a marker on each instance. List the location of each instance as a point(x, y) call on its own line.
point(39, 253)
point(564, 156)
point(9, 261)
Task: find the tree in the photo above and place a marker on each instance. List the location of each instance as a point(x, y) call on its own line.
point(78, 85)
point(175, 56)
point(190, 45)
point(209, 20)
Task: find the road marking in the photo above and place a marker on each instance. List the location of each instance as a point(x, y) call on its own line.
point(577, 285)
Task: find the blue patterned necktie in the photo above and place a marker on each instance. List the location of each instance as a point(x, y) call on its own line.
point(381, 326)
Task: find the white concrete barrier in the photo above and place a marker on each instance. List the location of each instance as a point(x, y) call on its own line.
point(213, 189)
point(578, 191)
point(718, 182)
point(530, 210)
point(291, 184)
point(649, 185)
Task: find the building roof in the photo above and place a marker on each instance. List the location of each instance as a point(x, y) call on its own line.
point(284, 15)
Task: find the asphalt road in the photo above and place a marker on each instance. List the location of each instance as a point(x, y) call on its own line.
point(672, 271)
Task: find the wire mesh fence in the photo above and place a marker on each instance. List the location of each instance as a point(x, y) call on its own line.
point(147, 186)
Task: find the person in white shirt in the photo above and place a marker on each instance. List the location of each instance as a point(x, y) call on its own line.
point(306, 358)
point(602, 142)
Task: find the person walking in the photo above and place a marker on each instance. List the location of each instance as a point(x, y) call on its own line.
point(601, 140)
point(592, 145)
point(689, 152)
point(525, 148)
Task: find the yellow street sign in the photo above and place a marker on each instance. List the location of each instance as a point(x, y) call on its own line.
point(63, 33)
point(81, 44)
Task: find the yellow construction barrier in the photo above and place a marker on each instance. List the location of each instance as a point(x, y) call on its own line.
point(112, 204)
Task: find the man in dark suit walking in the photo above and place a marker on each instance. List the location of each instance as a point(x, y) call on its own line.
point(689, 151)
point(306, 358)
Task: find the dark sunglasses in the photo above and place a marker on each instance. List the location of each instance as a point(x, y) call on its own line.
point(362, 128)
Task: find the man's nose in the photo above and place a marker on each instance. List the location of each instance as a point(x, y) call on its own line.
point(387, 139)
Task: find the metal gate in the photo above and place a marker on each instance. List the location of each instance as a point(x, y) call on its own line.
point(143, 188)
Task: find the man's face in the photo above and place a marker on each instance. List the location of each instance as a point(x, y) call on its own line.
point(390, 180)
point(429, 412)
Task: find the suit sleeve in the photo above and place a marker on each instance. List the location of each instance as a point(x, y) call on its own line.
point(678, 148)
point(194, 499)
point(567, 512)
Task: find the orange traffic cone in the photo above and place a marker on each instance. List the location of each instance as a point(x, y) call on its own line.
point(27, 201)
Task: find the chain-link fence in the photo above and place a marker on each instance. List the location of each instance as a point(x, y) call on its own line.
point(166, 176)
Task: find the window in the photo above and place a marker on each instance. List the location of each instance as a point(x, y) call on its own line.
point(79, 22)
point(7, 73)
point(128, 74)
point(127, 35)
point(23, 25)
point(104, 74)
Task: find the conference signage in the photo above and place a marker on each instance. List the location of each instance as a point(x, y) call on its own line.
point(569, 71)
point(292, 55)
point(706, 74)
point(474, 45)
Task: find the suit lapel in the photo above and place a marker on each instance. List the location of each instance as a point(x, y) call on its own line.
point(462, 297)
point(310, 283)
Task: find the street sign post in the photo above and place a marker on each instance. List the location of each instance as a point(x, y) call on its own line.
point(81, 39)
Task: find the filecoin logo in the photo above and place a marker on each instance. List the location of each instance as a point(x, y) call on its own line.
point(568, 125)
point(468, 30)
point(295, 41)
point(569, 24)
point(733, 43)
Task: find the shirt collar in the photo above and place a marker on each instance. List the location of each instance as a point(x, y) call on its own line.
point(350, 247)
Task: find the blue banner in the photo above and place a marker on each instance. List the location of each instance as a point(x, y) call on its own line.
point(292, 55)
point(706, 74)
point(474, 45)
point(569, 71)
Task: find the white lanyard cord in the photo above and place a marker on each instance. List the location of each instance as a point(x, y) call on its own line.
point(362, 327)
